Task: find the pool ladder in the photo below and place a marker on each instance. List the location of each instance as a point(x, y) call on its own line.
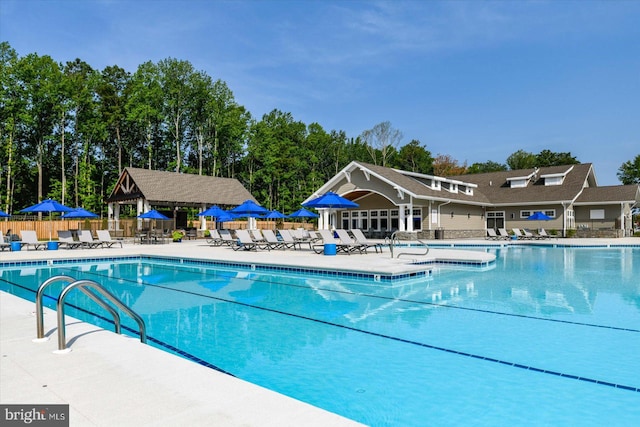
point(394, 241)
point(93, 290)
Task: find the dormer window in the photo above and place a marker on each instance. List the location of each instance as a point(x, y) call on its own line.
point(521, 181)
point(555, 178)
point(518, 183)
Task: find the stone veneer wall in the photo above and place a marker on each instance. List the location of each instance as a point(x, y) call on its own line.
point(591, 233)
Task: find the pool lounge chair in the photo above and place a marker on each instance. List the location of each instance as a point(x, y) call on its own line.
point(30, 239)
point(85, 237)
point(542, 234)
point(65, 240)
point(3, 245)
point(528, 235)
point(214, 238)
point(272, 240)
point(349, 242)
point(361, 239)
point(105, 238)
point(288, 238)
point(491, 234)
point(227, 237)
point(520, 235)
point(327, 238)
point(503, 234)
point(256, 235)
point(245, 242)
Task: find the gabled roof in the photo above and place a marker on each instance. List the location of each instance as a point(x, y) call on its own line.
point(490, 189)
point(177, 189)
point(495, 185)
point(610, 194)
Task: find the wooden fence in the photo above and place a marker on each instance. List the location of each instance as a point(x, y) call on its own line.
point(128, 226)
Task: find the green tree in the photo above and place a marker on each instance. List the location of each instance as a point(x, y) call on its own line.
point(629, 171)
point(521, 160)
point(415, 158)
point(176, 80)
point(549, 158)
point(11, 104)
point(143, 109)
point(112, 92)
point(488, 166)
point(39, 77)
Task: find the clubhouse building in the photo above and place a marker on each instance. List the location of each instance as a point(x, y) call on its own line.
point(465, 206)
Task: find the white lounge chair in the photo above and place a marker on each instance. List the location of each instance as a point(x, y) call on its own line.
point(214, 238)
point(272, 240)
point(256, 235)
point(227, 237)
point(542, 234)
point(361, 239)
point(527, 234)
point(3, 245)
point(245, 242)
point(491, 234)
point(288, 238)
point(104, 237)
point(341, 246)
point(65, 239)
point(30, 239)
point(85, 237)
point(503, 234)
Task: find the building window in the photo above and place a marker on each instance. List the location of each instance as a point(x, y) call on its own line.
point(345, 220)
point(394, 219)
point(525, 214)
point(375, 225)
point(417, 219)
point(384, 220)
point(550, 213)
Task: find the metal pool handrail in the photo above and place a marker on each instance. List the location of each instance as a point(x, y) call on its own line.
point(394, 240)
point(94, 291)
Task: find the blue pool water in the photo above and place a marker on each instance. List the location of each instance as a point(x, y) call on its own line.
point(549, 336)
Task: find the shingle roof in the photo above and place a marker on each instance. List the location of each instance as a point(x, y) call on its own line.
point(174, 188)
point(612, 194)
point(494, 188)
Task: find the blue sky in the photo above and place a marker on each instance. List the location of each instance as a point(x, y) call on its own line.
point(477, 80)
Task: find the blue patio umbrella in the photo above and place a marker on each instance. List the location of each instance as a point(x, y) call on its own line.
point(153, 214)
point(79, 213)
point(249, 208)
point(49, 206)
point(213, 211)
point(303, 213)
point(225, 216)
point(274, 214)
point(3, 214)
point(538, 216)
point(330, 200)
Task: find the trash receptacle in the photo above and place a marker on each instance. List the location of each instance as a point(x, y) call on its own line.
point(15, 246)
point(439, 234)
point(52, 246)
point(329, 248)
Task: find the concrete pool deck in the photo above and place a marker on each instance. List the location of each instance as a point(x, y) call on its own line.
point(110, 379)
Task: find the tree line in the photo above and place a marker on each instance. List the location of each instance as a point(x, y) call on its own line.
point(68, 130)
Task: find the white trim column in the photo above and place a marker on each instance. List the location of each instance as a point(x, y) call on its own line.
point(116, 216)
point(203, 219)
point(110, 216)
point(402, 225)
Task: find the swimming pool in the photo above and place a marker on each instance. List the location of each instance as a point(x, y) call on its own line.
point(548, 336)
